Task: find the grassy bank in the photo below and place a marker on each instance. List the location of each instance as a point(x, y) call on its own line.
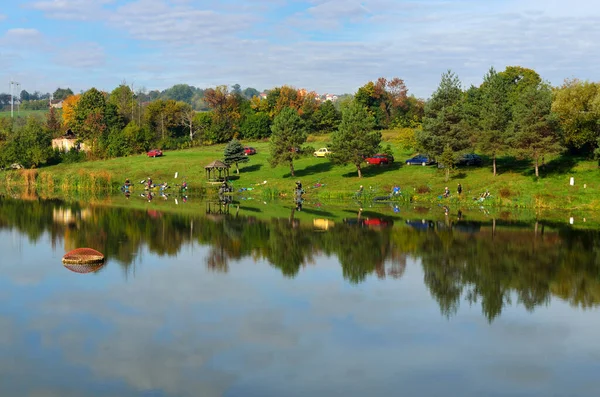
point(514, 187)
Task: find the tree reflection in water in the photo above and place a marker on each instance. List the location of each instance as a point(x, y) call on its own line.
point(493, 264)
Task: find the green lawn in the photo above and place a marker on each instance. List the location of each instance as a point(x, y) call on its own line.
point(515, 186)
point(24, 113)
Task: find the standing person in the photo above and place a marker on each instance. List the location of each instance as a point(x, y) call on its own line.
point(459, 189)
point(446, 192)
point(359, 192)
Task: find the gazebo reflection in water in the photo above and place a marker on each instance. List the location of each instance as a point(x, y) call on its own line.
point(217, 207)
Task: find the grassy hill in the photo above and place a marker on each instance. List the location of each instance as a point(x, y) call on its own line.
point(515, 186)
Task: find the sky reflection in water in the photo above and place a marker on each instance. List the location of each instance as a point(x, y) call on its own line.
point(169, 325)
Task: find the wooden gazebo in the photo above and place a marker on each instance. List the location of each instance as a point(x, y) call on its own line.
point(217, 171)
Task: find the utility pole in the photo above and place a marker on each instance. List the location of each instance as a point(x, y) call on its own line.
point(19, 103)
point(12, 96)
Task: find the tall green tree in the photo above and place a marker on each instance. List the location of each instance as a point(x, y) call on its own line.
point(288, 134)
point(164, 119)
point(29, 145)
point(326, 118)
point(123, 99)
point(234, 154)
point(494, 115)
point(53, 124)
point(577, 106)
point(355, 137)
point(62, 93)
point(90, 119)
point(535, 126)
point(444, 126)
point(225, 112)
point(256, 125)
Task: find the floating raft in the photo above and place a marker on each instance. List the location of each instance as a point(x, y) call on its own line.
point(83, 256)
point(84, 268)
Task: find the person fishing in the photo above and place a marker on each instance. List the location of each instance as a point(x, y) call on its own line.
point(359, 192)
point(126, 186)
point(298, 199)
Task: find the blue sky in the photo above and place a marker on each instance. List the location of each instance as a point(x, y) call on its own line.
point(330, 46)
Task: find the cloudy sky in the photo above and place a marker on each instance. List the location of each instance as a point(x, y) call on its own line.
point(330, 46)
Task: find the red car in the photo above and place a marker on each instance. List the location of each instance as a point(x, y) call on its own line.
point(379, 159)
point(154, 153)
point(249, 151)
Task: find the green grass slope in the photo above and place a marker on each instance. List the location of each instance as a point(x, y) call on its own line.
point(515, 186)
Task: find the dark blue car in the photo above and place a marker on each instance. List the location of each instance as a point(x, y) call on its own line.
point(420, 160)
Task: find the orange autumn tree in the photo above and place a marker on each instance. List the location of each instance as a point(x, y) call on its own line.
point(68, 110)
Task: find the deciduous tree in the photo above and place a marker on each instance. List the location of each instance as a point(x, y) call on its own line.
point(68, 110)
point(61, 93)
point(573, 104)
point(225, 113)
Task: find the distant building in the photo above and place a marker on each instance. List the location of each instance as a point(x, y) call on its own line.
point(67, 142)
point(56, 103)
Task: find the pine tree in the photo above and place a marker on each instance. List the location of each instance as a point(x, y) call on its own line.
point(234, 154)
point(355, 137)
point(288, 134)
point(444, 124)
point(495, 115)
point(535, 126)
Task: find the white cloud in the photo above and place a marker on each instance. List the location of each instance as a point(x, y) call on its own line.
point(81, 55)
point(329, 45)
point(72, 9)
point(22, 35)
point(180, 24)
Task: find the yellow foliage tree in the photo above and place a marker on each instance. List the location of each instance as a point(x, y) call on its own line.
point(68, 110)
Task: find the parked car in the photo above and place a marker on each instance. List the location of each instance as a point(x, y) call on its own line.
point(379, 159)
point(154, 153)
point(420, 160)
point(469, 159)
point(323, 152)
point(249, 151)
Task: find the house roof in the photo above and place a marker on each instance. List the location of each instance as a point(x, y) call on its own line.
point(217, 164)
point(69, 134)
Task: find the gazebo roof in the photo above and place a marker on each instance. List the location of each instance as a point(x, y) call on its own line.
point(217, 164)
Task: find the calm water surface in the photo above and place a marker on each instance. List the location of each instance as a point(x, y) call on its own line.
point(190, 304)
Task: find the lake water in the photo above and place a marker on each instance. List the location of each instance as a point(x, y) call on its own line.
point(245, 300)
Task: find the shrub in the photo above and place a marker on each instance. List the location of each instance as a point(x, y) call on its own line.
point(423, 189)
point(505, 192)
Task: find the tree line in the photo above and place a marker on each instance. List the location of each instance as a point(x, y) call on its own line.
point(512, 112)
